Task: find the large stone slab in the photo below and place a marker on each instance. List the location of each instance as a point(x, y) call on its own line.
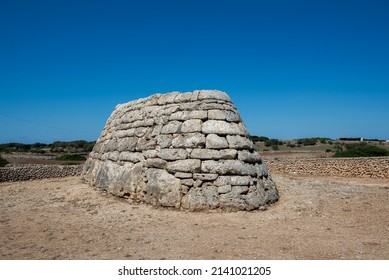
point(223, 128)
point(186, 165)
point(173, 154)
point(213, 94)
point(214, 141)
point(233, 167)
point(163, 188)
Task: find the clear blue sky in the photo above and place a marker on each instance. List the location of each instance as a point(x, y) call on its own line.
point(293, 68)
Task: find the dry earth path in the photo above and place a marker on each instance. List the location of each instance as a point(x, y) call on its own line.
point(316, 218)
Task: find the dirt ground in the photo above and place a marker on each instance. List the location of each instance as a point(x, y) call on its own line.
point(316, 218)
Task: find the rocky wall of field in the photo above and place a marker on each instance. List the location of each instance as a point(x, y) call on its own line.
point(33, 172)
point(340, 167)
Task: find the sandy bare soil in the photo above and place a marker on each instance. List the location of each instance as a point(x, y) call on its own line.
point(316, 218)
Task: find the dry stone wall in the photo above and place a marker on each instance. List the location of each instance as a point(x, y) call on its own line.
point(339, 167)
point(37, 171)
point(185, 150)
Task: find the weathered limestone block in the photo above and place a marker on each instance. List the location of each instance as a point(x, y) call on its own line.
point(172, 127)
point(156, 163)
point(167, 98)
point(145, 144)
point(150, 154)
point(192, 140)
point(223, 115)
point(213, 154)
point(132, 157)
point(189, 115)
point(205, 176)
point(173, 154)
point(247, 156)
point(239, 142)
point(262, 170)
point(142, 132)
point(113, 156)
point(143, 123)
point(170, 110)
point(228, 167)
point(183, 97)
point(223, 128)
point(224, 189)
point(214, 141)
point(205, 154)
point(164, 141)
point(191, 126)
point(212, 94)
point(183, 175)
point(127, 144)
point(184, 150)
point(187, 182)
point(234, 180)
point(186, 165)
point(201, 198)
point(163, 188)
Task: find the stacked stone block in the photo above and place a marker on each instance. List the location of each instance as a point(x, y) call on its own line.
point(184, 150)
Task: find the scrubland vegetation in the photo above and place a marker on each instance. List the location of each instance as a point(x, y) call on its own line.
point(3, 162)
point(79, 146)
point(340, 148)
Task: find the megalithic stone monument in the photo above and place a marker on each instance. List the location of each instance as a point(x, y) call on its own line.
point(184, 150)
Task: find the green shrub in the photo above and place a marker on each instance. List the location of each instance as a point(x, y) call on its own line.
point(37, 151)
point(75, 157)
point(71, 163)
point(306, 141)
point(362, 150)
point(258, 138)
point(272, 142)
point(3, 162)
point(312, 141)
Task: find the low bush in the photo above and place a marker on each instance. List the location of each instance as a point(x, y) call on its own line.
point(312, 141)
point(3, 162)
point(257, 138)
point(306, 141)
point(72, 157)
point(272, 142)
point(362, 150)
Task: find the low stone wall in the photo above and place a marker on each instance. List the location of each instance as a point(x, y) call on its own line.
point(34, 172)
point(340, 167)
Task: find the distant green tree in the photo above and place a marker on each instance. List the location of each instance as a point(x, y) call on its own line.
point(255, 138)
point(3, 161)
point(273, 143)
point(263, 138)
